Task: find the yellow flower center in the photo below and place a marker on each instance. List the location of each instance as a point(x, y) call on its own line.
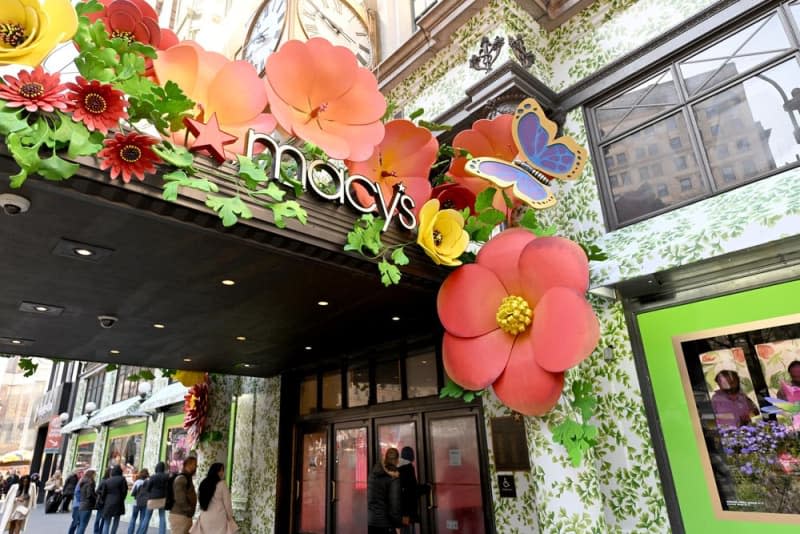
point(95, 103)
point(128, 36)
point(514, 315)
point(130, 153)
point(31, 90)
point(12, 34)
point(437, 238)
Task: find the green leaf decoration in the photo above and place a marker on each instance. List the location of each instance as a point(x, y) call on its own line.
point(434, 127)
point(288, 209)
point(27, 366)
point(451, 389)
point(593, 252)
point(399, 256)
point(111, 367)
point(272, 191)
point(175, 155)
point(252, 174)
point(147, 374)
point(173, 181)
point(229, 209)
point(133, 378)
point(390, 274)
point(10, 120)
point(492, 217)
point(56, 169)
point(485, 199)
point(530, 222)
point(88, 6)
point(577, 437)
point(417, 113)
point(366, 234)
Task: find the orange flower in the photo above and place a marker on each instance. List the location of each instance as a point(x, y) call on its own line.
point(318, 92)
point(490, 138)
point(231, 89)
point(404, 156)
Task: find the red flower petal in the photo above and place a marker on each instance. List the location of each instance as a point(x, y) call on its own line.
point(524, 386)
point(553, 262)
point(475, 362)
point(565, 329)
point(501, 255)
point(468, 301)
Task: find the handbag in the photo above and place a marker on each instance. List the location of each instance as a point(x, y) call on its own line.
point(156, 504)
point(22, 510)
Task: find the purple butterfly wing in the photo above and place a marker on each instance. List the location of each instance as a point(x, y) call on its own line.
point(556, 158)
point(509, 173)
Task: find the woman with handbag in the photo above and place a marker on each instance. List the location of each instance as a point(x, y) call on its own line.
point(20, 506)
point(87, 496)
point(216, 508)
point(156, 487)
point(139, 492)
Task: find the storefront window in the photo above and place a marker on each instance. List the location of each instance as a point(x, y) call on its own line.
point(332, 390)
point(126, 452)
point(83, 455)
point(94, 389)
point(308, 395)
point(387, 381)
point(421, 375)
point(746, 387)
point(177, 448)
point(126, 388)
point(358, 386)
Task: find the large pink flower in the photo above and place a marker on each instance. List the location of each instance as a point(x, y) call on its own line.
point(517, 319)
point(405, 156)
point(231, 89)
point(318, 92)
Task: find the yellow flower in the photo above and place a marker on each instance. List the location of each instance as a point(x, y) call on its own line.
point(190, 378)
point(441, 234)
point(31, 29)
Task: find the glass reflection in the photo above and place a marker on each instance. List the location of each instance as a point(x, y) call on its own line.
point(387, 381)
point(637, 105)
point(351, 480)
point(421, 375)
point(314, 469)
point(358, 386)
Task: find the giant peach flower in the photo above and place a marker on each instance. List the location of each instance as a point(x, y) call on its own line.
point(492, 138)
point(517, 319)
point(231, 89)
point(318, 93)
point(31, 29)
point(134, 20)
point(405, 155)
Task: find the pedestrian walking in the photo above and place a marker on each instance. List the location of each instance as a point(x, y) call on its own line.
point(52, 492)
point(156, 487)
point(216, 508)
point(139, 492)
point(384, 496)
point(76, 511)
point(70, 484)
point(113, 494)
point(98, 517)
point(88, 499)
point(20, 502)
point(185, 498)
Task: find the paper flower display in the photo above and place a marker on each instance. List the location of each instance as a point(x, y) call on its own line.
point(134, 20)
point(98, 105)
point(318, 93)
point(441, 234)
point(31, 29)
point(34, 91)
point(403, 157)
point(195, 409)
point(130, 155)
point(190, 378)
point(231, 89)
point(454, 196)
point(492, 138)
point(517, 319)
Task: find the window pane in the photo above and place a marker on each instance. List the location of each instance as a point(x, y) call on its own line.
point(796, 12)
point(421, 375)
point(639, 193)
point(332, 390)
point(308, 395)
point(730, 57)
point(750, 118)
point(387, 381)
point(637, 105)
point(358, 386)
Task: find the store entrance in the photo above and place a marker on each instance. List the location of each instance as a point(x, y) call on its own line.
point(334, 460)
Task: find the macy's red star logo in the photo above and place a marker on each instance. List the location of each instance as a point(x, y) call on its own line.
point(209, 138)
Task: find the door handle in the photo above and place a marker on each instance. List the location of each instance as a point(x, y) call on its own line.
point(431, 505)
point(333, 491)
point(297, 490)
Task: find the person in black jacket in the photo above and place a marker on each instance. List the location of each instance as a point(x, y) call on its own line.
point(156, 488)
point(99, 521)
point(114, 493)
point(88, 498)
point(383, 496)
point(410, 491)
point(69, 490)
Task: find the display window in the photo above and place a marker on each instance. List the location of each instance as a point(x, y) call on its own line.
point(126, 449)
point(176, 445)
point(84, 452)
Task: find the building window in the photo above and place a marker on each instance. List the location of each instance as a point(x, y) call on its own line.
point(741, 80)
point(421, 7)
point(622, 159)
point(686, 184)
point(644, 173)
point(663, 191)
point(656, 170)
point(641, 153)
point(609, 162)
point(626, 178)
point(94, 389)
point(652, 150)
point(613, 180)
point(126, 388)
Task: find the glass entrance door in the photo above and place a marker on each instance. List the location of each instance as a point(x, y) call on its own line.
point(313, 476)
point(349, 484)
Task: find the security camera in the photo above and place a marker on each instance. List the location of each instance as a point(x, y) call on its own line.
point(14, 204)
point(107, 321)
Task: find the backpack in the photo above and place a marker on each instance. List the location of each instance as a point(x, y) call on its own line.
point(170, 499)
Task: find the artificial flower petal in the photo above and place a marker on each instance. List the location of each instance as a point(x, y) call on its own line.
point(565, 329)
point(524, 386)
point(501, 255)
point(474, 363)
point(239, 109)
point(468, 301)
point(557, 262)
point(45, 24)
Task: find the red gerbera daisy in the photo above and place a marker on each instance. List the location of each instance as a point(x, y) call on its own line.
point(129, 155)
point(34, 91)
point(99, 106)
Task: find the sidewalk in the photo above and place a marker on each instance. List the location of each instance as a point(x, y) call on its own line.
point(41, 523)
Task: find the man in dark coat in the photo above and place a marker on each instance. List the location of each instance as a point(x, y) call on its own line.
point(383, 496)
point(410, 491)
point(113, 493)
point(69, 490)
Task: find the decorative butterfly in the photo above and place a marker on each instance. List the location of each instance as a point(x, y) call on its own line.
point(541, 158)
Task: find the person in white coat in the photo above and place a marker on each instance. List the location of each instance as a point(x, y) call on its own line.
point(216, 509)
point(18, 506)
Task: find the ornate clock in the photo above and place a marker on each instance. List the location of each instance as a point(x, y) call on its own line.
point(265, 33)
point(342, 23)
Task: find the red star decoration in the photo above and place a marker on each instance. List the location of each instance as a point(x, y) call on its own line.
point(209, 137)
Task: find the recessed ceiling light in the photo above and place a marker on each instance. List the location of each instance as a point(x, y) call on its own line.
point(158, 325)
point(228, 283)
point(241, 338)
point(187, 359)
point(308, 347)
point(83, 252)
point(41, 308)
point(248, 365)
point(114, 352)
point(395, 318)
point(323, 303)
point(16, 341)
point(424, 362)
